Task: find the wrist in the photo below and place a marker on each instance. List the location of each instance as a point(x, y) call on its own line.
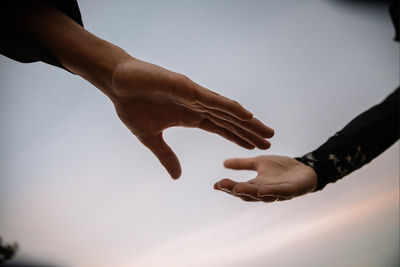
point(99, 66)
point(309, 163)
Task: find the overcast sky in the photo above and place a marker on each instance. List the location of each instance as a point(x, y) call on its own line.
point(77, 189)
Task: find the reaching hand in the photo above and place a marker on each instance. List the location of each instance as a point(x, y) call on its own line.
point(149, 99)
point(279, 178)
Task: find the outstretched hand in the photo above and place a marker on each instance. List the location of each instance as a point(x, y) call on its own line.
point(278, 178)
point(149, 99)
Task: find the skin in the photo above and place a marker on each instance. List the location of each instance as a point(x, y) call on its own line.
point(147, 98)
point(278, 178)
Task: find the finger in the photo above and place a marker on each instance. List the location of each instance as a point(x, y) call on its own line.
point(244, 198)
point(250, 137)
point(242, 164)
point(164, 154)
point(209, 126)
point(212, 100)
point(249, 191)
point(276, 190)
point(245, 189)
point(268, 199)
point(225, 185)
point(253, 125)
point(247, 198)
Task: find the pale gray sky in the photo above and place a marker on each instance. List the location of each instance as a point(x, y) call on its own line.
point(77, 189)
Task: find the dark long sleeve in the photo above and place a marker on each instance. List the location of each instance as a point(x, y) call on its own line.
point(360, 141)
point(16, 47)
point(394, 15)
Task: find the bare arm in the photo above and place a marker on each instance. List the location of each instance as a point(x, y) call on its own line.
point(147, 98)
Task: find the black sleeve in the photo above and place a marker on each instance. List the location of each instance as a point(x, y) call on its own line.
point(394, 14)
point(18, 48)
point(363, 139)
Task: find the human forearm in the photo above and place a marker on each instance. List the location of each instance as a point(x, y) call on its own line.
point(147, 98)
point(360, 141)
point(69, 43)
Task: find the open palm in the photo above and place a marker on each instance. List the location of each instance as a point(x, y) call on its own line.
point(278, 178)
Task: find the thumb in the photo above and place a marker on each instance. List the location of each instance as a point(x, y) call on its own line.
point(164, 154)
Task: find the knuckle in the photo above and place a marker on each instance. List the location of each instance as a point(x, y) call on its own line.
point(184, 87)
point(178, 80)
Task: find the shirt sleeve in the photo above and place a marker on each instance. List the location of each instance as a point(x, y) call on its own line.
point(360, 141)
point(394, 15)
point(16, 47)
